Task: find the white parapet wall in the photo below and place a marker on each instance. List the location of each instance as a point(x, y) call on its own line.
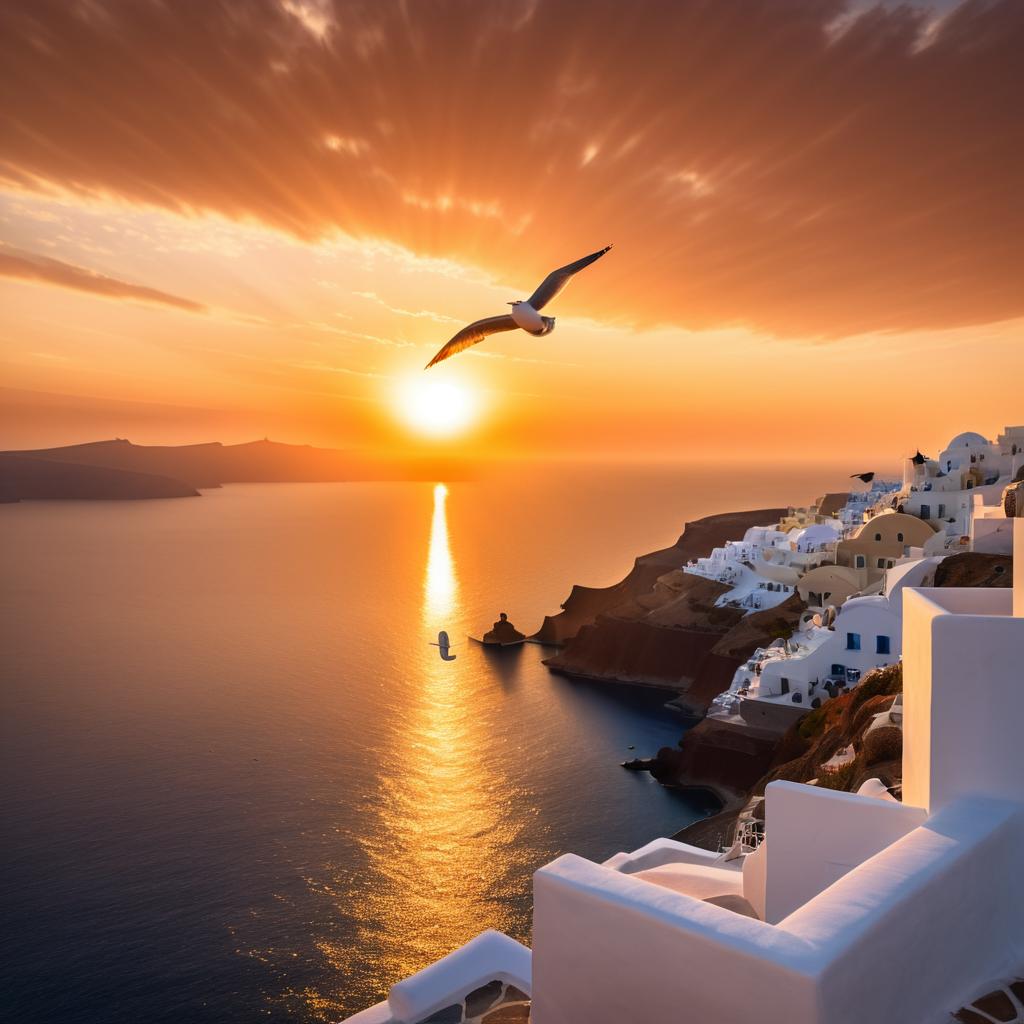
point(817, 836)
point(963, 695)
point(611, 948)
point(487, 970)
point(904, 936)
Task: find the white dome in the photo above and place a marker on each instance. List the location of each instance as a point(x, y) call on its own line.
point(815, 535)
point(968, 439)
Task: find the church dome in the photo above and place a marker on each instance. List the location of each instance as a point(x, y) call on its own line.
point(968, 439)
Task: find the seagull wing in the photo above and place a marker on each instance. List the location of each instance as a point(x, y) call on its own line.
point(473, 334)
point(558, 279)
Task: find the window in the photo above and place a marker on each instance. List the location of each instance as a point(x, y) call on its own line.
point(785, 685)
point(839, 670)
point(881, 563)
point(926, 511)
point(899, 536)
point(878, 536)
point(853, 641)
point(942, 511)
point(882, 645)
point(860, 562)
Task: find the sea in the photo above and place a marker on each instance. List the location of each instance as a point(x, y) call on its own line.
point(238, 782)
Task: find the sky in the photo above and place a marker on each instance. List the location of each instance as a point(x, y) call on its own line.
point(248, 218)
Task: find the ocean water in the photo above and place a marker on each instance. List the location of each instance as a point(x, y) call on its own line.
point(239, 784)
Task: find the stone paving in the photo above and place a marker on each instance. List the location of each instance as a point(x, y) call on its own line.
point(499, 1003)
point(1003, 1005)
point(493, 1003)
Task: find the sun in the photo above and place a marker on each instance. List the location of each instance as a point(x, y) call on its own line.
point(435, 406)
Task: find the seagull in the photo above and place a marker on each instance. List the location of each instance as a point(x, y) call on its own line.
point(444, 644)
point(863, 477)
point(525, 314)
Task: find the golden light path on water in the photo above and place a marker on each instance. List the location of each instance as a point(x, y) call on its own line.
point(439, 584)
point(447, 838)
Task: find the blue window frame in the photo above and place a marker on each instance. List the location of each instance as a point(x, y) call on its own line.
point(853, 641)
point(883, 645)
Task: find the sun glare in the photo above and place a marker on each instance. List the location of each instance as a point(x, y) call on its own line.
point(439, 408)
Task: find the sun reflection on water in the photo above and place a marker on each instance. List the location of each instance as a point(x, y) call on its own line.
point(440, 860)
point(440, 582)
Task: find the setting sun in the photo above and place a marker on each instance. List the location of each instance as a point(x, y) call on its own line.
point(438, 408)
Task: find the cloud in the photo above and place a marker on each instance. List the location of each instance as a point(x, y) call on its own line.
point(807, 168)
point(28, 266)
point(416, 314)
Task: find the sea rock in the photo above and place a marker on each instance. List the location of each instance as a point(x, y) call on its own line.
point(503, 632)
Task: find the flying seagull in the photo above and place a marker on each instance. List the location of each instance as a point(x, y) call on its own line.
point(863, 477)
point(445, 645)
point(524, 314)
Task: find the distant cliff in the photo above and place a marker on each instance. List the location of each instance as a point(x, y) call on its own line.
point(91, 470)
point(660, 626)
point(24, 478)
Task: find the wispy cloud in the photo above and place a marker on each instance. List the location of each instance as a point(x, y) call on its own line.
point(416, 314)
point(28, 266)
point(326, 328)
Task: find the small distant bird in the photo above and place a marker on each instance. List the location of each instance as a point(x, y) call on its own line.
point(524, 314)
point(864, 477)
point(445, 645)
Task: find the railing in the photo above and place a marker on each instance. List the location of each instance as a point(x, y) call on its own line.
point(749, 835)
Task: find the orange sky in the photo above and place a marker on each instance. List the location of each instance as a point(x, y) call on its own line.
point(231, 219)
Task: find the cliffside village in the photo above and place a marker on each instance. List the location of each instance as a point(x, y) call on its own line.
point(849, 558)
point(847, 906)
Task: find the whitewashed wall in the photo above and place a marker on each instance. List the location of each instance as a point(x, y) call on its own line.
point(818, 835)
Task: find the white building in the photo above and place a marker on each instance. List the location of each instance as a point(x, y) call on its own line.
point(777, 684)
point(861, 504)
point(855, 907)
point(725, 564)
point(942, 491)
point(737, 564)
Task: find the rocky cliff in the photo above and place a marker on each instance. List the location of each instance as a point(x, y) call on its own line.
point(670, 633)
point(585, 604)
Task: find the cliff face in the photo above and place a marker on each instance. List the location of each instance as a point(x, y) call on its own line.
point(674, 637)
point(585, 604)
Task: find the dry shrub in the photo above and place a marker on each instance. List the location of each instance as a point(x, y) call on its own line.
point(884, 744)
point(839, 778)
